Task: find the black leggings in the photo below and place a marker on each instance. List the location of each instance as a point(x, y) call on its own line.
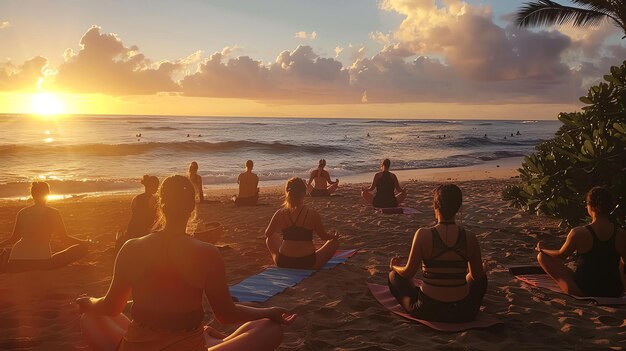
point(422, 306)
point(304, 262)
point(58, 260)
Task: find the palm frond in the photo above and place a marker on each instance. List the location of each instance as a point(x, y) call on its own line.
point(547, 13)
point(597, 5)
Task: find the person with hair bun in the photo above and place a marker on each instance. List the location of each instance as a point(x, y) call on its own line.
point(168, 272)
point(143, 212)
point(34, 227)
point(451, 264)
point(319, 183)
point(389, 193)
point(601, 251)
point(297, 223)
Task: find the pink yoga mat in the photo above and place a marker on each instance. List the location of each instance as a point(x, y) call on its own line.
point(384, 297)
point(544, 281)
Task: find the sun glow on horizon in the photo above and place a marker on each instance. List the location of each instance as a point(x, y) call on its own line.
point(46, 104)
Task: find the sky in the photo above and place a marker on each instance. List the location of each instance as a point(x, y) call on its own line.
point(318, 58)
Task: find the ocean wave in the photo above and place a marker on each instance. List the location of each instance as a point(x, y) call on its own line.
point(175, 147)
point(468, 142)
point(158, 128)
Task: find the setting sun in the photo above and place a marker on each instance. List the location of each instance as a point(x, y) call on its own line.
point(46, 104)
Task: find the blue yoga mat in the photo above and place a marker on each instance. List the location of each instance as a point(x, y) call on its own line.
point(274, 280)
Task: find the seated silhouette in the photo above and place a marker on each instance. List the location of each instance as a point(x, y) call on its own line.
point(34, 227)
point(388, 191)
point(319, 183)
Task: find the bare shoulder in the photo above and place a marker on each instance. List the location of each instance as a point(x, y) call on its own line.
point(577, 231)
point(423, 233)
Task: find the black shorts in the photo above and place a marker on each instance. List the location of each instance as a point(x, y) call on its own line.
point(422, 306)
point(319, 193)
point(304, 262)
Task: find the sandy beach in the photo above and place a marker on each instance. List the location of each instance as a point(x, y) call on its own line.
point(335, 308)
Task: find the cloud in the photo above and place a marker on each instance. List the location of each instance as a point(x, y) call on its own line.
point(4, 24)
point(338, 50)
point(104, 65)
point(295, 76)
point(22, 77)
point(305, 35)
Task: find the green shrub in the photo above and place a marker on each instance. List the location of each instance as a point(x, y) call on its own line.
point(589, 149)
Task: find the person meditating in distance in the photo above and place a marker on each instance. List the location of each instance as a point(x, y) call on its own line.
point(248, 187)
point(388, 191)
point(599, 247)
point(297, 223)
point(444, 252)
point(34, 227)
point(143, 212)
point(319, 183)
point(167, 272)
point(196, 180)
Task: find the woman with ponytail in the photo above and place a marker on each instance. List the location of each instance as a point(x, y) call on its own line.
point(34, 227)
point(297, 223)
point(167, 273)
point(601, 250)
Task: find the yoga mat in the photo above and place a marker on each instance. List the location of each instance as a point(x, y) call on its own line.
point(536, 277)
point(397, 210)
point(384, 297)
point(274, 280)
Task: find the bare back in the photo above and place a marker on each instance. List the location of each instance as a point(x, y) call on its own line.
point(35, 225)
point(320, 178)
point(166, 272)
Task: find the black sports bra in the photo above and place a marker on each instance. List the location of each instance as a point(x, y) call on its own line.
point(298, 233)
point(456, 268)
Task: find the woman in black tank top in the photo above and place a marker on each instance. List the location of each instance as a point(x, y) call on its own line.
point(388, 191)
point(598, 246)
point(448, 292)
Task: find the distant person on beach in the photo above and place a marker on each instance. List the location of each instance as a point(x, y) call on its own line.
point(388, 191)
point(196, 180)
point(34, 227)
point(297, 223)
point(601, 250)
point(143, 212)
point(451, 264)
point(248, 187)
point(319, 183)
point(167, 273)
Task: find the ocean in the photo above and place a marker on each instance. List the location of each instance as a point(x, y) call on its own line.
point(94, 154)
